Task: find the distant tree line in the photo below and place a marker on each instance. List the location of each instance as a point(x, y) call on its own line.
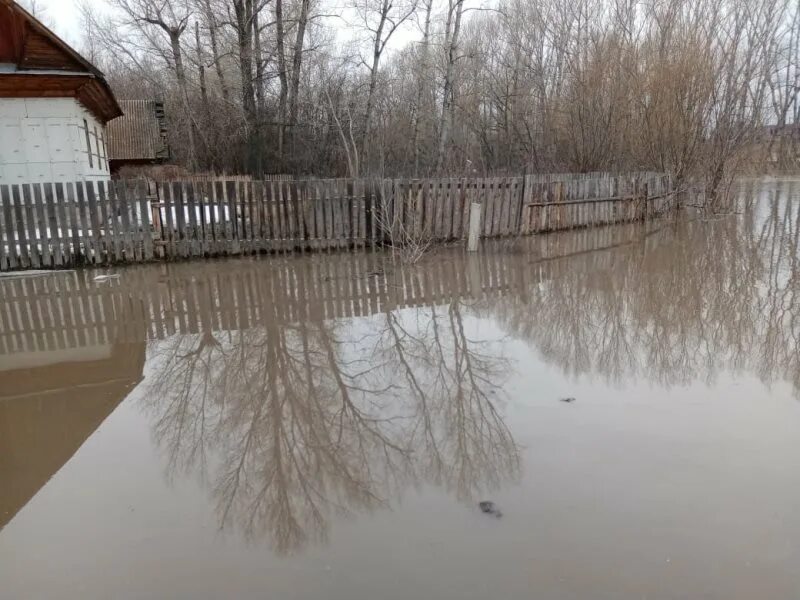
point(418, 87)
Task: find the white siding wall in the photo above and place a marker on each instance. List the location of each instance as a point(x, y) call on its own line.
point(44, 140)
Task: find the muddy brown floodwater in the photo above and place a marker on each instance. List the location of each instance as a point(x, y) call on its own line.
point(302, 427)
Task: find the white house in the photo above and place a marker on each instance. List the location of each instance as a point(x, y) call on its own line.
point(54, 106)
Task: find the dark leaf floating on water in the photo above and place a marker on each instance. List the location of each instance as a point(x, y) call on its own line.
point(568, 400)
point(490, 508)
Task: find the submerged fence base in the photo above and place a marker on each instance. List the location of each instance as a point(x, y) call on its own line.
point(86, 223)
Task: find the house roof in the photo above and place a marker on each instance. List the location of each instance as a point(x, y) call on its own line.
point(43, 65)
point(140, 134)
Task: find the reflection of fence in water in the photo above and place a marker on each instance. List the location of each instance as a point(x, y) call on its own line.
point(68, 309)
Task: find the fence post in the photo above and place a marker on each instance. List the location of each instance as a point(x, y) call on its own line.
point(474, 226)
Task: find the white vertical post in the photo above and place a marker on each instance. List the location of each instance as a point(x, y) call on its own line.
point(474, 226)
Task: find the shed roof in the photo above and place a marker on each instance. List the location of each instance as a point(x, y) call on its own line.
point(140, 134)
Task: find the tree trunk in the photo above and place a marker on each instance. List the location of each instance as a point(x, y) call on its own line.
point(180, 73)
point(244, 32)
point(373, 83)
point(284, 82)
point(448, 101)
point(212, 32)
point(422, 87)
point(297, 60)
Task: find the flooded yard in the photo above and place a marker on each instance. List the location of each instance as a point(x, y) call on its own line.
point(325, 426)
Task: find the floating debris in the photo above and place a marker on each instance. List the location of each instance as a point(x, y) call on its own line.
point(490, 508)
point(104, 278)
point(568, 400)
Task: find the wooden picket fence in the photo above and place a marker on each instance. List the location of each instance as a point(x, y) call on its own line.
point(56, 225)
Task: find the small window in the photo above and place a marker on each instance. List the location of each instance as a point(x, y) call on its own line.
point(88, 143)
point(102, 139)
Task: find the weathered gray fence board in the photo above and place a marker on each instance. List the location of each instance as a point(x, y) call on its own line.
point(104, 223)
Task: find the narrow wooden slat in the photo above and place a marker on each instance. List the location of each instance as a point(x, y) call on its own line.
point(336, 208)
point(234, 244)
point(22, 249)
point(210, 191)
point(179, 204)
point(42, 224)
point(366, 193)
point(72, 212)
point(256, 215)
point(62, 224)
point(319, 214)
point(349, 221)
point(123, 204)
point(94, 222)
point(144, 221)
point(30, 222)
point(8, 253)
point(297, 221)
point(103, 217)
point(281, 212)
point(273, 215)
point(84, 222)
point(193, 230)
point(244, 216)
point(168, 209)
point(117, 229)
point(287, 192)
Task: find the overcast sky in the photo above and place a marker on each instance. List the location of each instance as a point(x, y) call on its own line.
point(62, 16)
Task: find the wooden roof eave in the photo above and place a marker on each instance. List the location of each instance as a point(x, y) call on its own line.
point(107, 106)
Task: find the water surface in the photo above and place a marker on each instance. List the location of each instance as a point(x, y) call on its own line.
point(324, 426)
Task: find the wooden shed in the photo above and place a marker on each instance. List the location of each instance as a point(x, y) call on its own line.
point(139, 137)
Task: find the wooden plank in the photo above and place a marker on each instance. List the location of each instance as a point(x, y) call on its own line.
point(144, 221)
point(72, 212)
point(202, 194)
point(308, 214)
point(104, 219)
point(244, 217)
point(116, 221)
point(234, 233)
point(327, 214)
point(319, 214)
point(23, 251)
point(254, 194)
point(62, 225)
point(114, 244)
point(210, 191)
point(30, 222)
point(336, 201)
point(168, 208)
point(287, 189)
point(85, 223)
point(285, 215)
point(280, 204)
point(270, 213)
point(193, 230)
point(366, 192)
point(179, 204)
point(347, 206)
point(125, 218)
point(8, 253)
point(94, 222)
point(42, 226)
point(440, 203)
point(299, 212)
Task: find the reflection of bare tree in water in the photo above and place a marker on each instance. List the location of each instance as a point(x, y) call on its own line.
point(293, 422)
point(685, 303)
